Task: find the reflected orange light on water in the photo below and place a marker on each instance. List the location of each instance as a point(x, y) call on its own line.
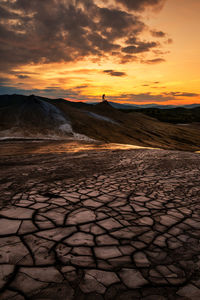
point(73, 147)
point(59, 147)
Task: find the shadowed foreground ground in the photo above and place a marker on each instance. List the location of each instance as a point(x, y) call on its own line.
point(107, 224)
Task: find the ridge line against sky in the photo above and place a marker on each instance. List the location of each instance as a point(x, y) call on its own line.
point(135, 51)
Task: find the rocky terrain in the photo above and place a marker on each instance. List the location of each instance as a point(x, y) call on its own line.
point(103, 224)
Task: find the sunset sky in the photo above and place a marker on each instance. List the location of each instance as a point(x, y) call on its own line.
point(134, 51)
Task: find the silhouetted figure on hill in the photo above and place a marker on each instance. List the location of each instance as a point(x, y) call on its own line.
point(103, 97)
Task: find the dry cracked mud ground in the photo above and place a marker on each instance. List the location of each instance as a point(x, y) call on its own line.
point(109, 224)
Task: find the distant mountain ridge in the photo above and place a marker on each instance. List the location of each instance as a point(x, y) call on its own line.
point(39, 117)
point(151, 105)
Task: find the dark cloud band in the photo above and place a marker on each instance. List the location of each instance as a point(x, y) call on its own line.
point(114, 73)
point(69, 30)
point(140, 4)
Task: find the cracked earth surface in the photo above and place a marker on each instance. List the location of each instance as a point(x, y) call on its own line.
point(100, 225)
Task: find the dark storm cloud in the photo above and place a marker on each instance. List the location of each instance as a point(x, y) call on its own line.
point(158, 34)
point(140, 4)
point(153, 61)
point(139, 47)
point(69, 30)
point(114, 73)
point(81, 87)
point(182, 94)
point(151, 83)
point(127, 58)
point(23, 76)
point(144, 97)
point(149, 97)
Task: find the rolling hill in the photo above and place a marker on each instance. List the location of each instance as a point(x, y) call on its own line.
point(176, 115)
point(38, 117)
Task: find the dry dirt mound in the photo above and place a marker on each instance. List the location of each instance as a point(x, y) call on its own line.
point(36, 116)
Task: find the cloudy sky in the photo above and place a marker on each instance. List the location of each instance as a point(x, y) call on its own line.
point(134, 51)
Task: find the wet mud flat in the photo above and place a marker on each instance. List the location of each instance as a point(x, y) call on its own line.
point(98, 223)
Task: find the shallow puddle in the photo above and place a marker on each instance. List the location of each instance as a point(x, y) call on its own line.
point(17, 147)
